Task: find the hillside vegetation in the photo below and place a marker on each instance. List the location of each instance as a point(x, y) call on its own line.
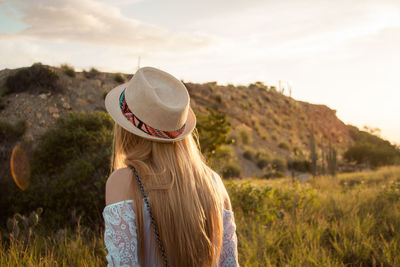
point(352, 220)
point(269, 132)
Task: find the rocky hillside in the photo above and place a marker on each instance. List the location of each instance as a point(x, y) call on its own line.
point(274, 122)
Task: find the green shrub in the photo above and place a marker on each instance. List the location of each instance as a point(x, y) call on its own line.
point(70, 71)
point(224, 161)
point(258, 85)
point(298, 151)
point(245, 136)
point(92, 73)
point(262, 158)
point(273, 174)
point(211, 86)
point(4, 91)
point(35, 78)
point(276, 121)
point(119, 78)
point(105, 92)
point(300, 165)
point(279, 164)
point(251, 201)
point(372, 154)
point(249, 154)
point(231, 170)
point(69, 168)
point(283, 145)
point(265, 204)
point(2, 104)
point(262, 162)
point(221, 156)
point(11, 132)
point(371, 149)
point(213, 129)
point(218, 97)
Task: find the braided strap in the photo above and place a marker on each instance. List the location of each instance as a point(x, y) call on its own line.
point(153, 221)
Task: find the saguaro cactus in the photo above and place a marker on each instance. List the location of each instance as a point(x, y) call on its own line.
point(331, 158)
point(313, 153)
point(323, 167)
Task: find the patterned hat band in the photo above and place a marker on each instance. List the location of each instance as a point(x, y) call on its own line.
point(143, 126)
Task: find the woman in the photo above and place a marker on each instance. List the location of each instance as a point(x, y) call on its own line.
point(164, 205)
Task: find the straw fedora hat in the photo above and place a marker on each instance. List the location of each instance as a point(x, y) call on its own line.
point(154, 105)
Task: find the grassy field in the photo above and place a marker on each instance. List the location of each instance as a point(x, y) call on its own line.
point(350, 220)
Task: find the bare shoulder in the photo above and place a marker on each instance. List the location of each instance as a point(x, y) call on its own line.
point(222, 189)
point(119, 186)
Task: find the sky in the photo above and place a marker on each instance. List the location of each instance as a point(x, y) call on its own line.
point(344, 54)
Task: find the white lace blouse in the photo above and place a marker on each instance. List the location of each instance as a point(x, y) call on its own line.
point(120, 236)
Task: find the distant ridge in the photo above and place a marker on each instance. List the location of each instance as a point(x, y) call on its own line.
point(275, 122)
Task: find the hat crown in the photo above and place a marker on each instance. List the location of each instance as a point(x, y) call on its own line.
point(158, 99)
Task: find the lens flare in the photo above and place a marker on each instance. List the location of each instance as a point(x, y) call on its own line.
point(20, 169)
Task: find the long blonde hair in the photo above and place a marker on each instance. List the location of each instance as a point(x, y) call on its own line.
point(183, 199)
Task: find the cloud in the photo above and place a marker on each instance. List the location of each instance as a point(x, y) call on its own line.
point(123, 2)
point(91, 22)
point(290, 29)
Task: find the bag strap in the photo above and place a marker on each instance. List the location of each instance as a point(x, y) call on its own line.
point(153, 221)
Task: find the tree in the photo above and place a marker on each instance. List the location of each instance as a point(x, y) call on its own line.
point(370, 149)
point(372, 155)
point(213, 130)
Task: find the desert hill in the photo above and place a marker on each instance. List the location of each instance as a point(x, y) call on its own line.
point(273, 122)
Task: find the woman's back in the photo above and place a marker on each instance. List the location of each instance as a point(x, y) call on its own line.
point(153, 136)
point(121, 233)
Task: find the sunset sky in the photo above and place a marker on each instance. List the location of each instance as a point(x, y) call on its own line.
point(344, 54)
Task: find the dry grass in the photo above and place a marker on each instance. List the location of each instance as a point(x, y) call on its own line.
point(350, 220)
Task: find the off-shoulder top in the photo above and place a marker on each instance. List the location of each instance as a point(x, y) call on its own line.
point(120, 236)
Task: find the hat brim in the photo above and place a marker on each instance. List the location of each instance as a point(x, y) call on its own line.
point(113, 108)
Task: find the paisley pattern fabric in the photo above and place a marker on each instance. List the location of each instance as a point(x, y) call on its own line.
point(229, 252)
point(120, 237)
point(143, 126)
